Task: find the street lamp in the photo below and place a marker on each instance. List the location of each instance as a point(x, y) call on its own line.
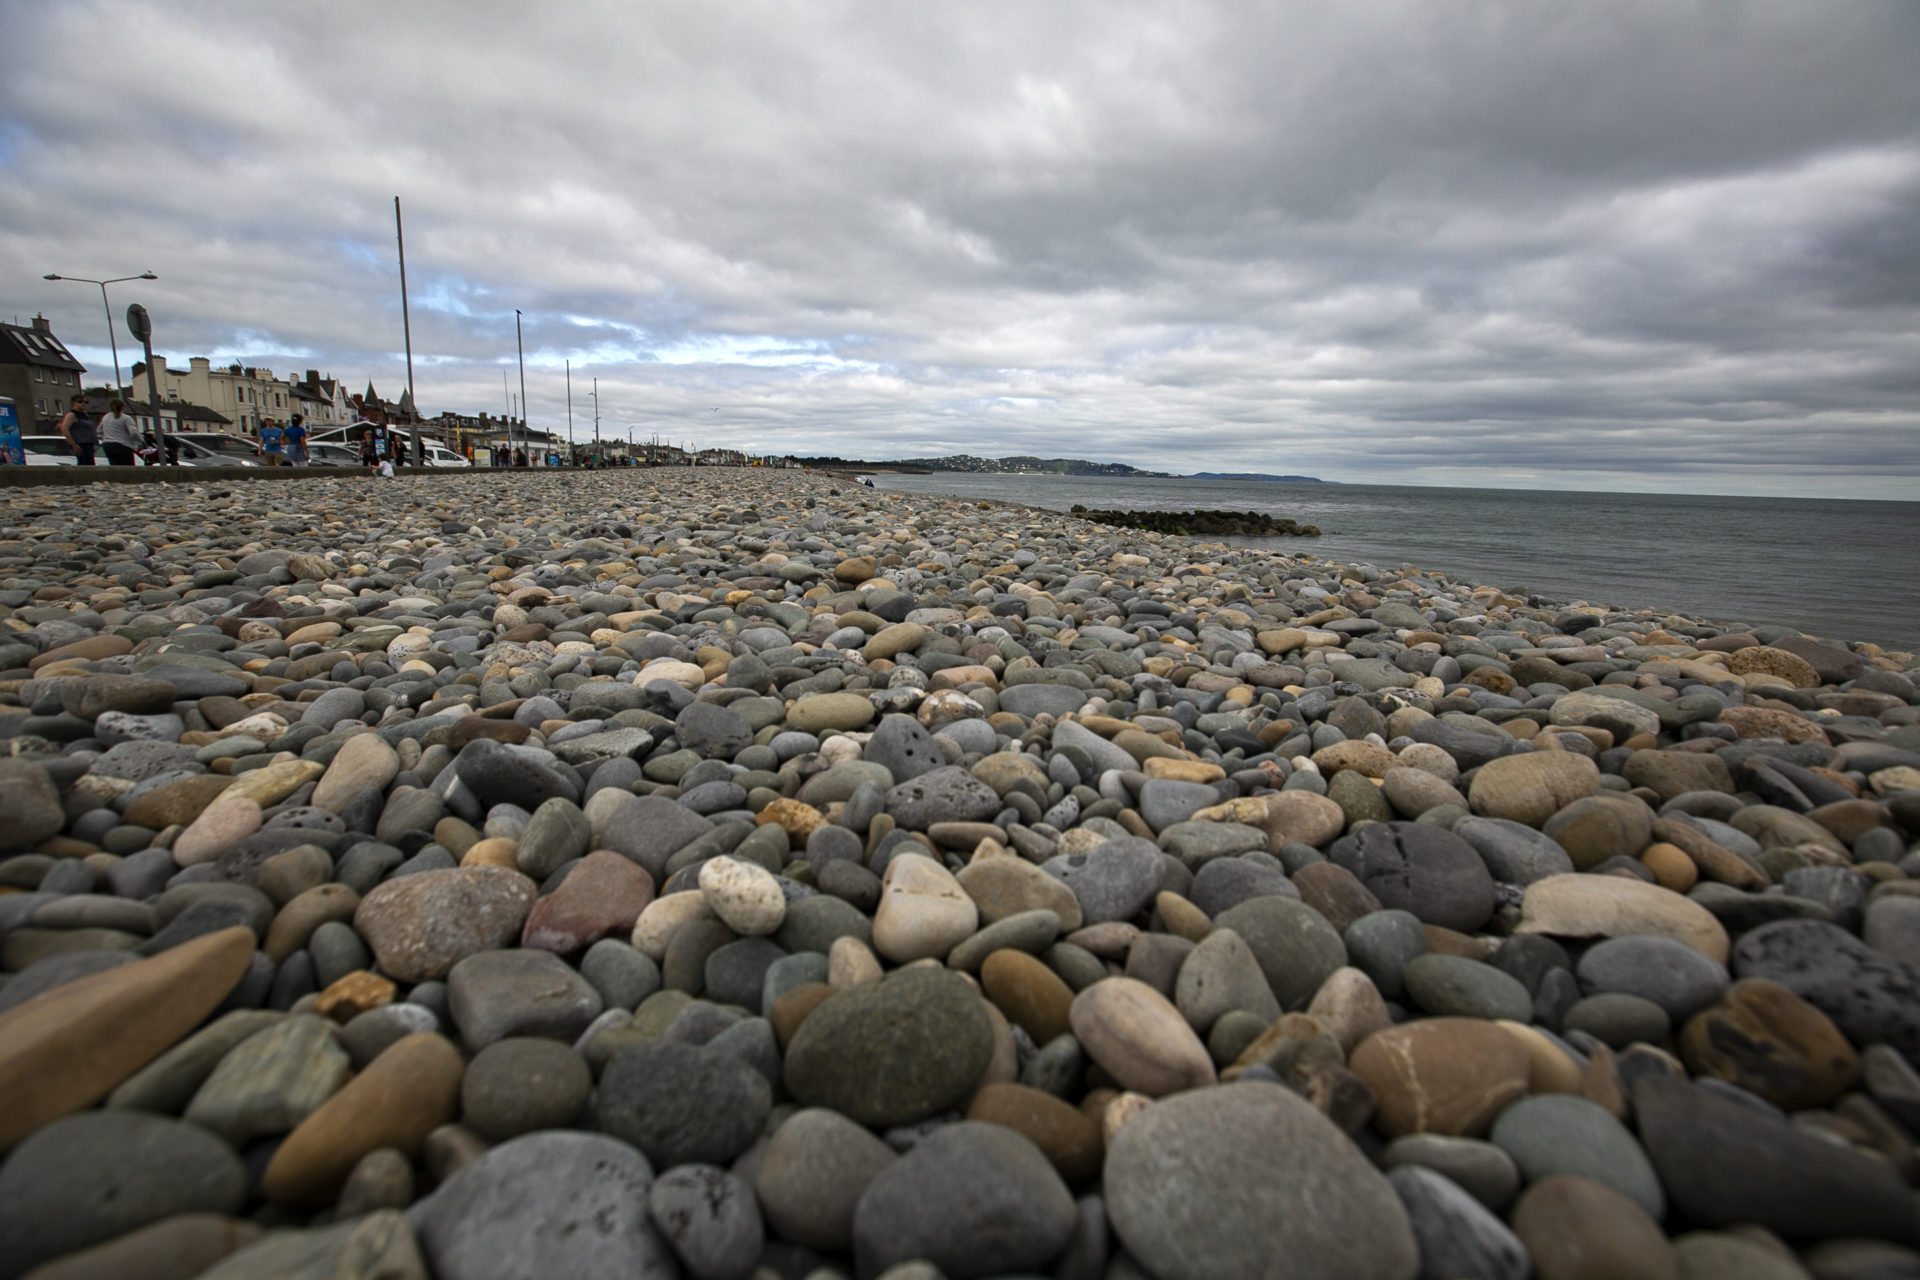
point(108, 308)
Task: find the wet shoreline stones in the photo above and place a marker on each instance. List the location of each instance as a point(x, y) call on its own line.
point(744, 873)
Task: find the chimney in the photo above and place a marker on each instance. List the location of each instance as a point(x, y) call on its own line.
point(42, 325)
point(313, 377)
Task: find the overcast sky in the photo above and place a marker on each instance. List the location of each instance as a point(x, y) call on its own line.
point(1609, 245)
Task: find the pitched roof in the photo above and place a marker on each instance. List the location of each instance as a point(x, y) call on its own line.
point(23, 344)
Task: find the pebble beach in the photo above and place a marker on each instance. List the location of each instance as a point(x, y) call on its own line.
point(747, 873)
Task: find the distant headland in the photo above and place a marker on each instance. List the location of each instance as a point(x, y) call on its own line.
point(1027, 464)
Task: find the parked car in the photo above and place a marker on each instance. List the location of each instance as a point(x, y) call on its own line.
point(233, 451)
point(332, 455)
point(438, 455)
point(47, 451)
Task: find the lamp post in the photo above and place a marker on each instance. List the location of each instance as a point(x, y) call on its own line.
point(521, 347)
point(108, 308)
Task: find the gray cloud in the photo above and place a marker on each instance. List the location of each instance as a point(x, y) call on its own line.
point(1645, 245)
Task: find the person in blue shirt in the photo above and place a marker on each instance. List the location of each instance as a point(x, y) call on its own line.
point(297, 441)
point(272, 444)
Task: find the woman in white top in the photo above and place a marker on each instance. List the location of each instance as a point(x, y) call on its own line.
point(118, 435)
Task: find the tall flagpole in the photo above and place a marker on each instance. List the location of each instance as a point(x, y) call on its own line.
point(406, 328)
point(569, 410)
point(523, 377)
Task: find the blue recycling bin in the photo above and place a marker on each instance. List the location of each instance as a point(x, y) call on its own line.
point(12, 452)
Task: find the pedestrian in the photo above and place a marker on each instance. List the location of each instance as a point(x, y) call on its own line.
point(369, 452)
point(80, 432)
point(119, 436)
point(297, 441)
point(273, 444)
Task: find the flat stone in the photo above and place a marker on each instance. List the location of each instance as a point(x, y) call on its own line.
point(70, 1047)
point(33, 811)
point(1223, 1182)
point(1514, 853)
point(1456, 1234)
point(189, 1243)
point(1456, 987)
point(271, 1081)
point(1724, 1163)
point(89, 1178)
point(411, 1089)
point(1583, 906)
point(374, 1244)
point(1871, 998)
point(1004, 887)
point(649, 830)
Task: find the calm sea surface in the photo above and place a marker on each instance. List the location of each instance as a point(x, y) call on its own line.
point(1845, 570)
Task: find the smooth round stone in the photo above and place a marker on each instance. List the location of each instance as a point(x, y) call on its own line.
point(382, 1180)
point(1296, 947)
point(90, 1177)
point(1414, 867)
point(271, 1081)
point(1456, 1234)
point(709, 1218)
point(1514, 853)
point(219, 827)
point(1618, 1019)
point(496, 994)
point(603, 894)
point(1598, 827)
point(551, 1203)
point(736, 974)
point(1583, 906)
point(1723, 1162)
point(972, 1199)
point(923, 911)
point(1070, 1140)
point(1770, 1042)
point(1576, 1229)
point(1870, 997)
point(1382, 945)
point(403, 1095)
point(1529, 789)
point(364, 760)
point(521, 1084)
point(1453, 986)
point(1441, 1075)
point(420, 926)
point(1676, 977)
point(371, 1033)
point(816, 923)
point(1030, 994)
point(1222, 975)
point(70, 1046)
point(1718, 1255)
point(680, 1104)
point(894, 1051)
point(1140, 1038)
point(1560, 1133)
point(1222, 1182)
point(814, 1170)
point(1483, 1170)
point(747, 898)
point(1225, 883)
point(557, 833)
point(1029, 931)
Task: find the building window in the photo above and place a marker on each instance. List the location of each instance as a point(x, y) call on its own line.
point(39, 374)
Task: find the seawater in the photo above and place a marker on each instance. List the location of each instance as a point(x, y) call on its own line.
point(1835, 568)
